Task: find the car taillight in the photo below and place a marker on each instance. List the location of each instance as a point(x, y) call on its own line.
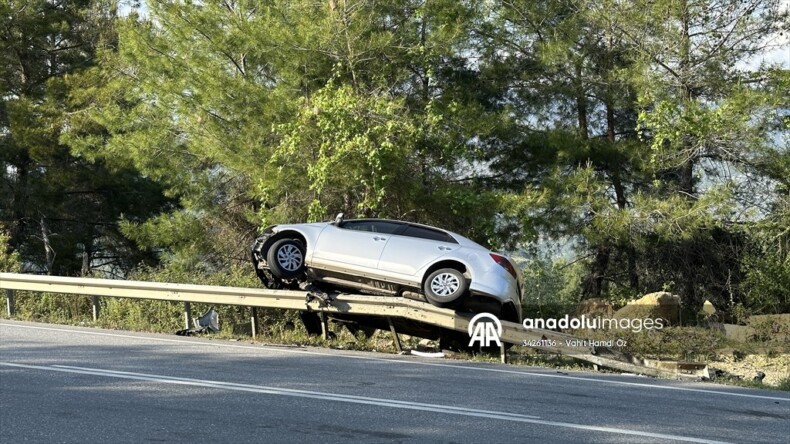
point(502, 260)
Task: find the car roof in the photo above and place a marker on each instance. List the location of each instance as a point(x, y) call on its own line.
point(459, 238)
point(374, 219)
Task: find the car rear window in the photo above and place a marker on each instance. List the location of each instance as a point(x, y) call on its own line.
point(427, 233)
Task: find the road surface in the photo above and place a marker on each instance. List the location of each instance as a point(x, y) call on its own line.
point(72, 384)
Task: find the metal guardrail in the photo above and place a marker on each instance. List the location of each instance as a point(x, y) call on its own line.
point(249, 297)
point(347, 304)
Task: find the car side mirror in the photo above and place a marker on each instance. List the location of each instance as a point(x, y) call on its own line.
point(338, 218)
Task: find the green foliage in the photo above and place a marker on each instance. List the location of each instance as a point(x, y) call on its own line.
point(54, 308)
point(9, 260)
point(767, 280)
point(552, 287)
point(60, 208)
point(251, 116)
point(233, 276)
point(187, 99)
point(646, 144)
point(354, 151)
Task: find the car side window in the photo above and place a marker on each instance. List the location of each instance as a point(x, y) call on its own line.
point(385, 227)
point(356, 226)
point(427, 233)
point(372, 226)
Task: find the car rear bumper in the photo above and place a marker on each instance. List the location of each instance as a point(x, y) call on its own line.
point(497, 285)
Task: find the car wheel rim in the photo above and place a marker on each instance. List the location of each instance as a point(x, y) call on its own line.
point(445, 284)
point(289, 257)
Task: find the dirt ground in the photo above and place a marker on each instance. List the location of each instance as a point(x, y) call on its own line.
point(775, 368)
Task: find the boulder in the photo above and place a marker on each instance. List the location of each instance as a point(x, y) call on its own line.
point(657, 305)
point(708, 309)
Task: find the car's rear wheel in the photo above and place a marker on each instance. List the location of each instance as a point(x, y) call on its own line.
point(286, 259)
point(445, 287)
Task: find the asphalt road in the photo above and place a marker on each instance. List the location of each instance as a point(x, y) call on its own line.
point(70, 384)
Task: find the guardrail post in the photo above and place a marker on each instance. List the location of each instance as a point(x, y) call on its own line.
point(324, 326)
point(95, 304)
point(187, 314)
point(395, 337)
point(9, 303)
point(254, 321)
point(503, 353)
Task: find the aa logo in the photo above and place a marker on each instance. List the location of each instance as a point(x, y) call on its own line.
point(484, 329)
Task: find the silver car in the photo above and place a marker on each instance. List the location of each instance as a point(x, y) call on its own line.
point(391, 257)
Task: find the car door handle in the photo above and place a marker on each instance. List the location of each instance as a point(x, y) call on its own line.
point(379, 238)
point(443, 248)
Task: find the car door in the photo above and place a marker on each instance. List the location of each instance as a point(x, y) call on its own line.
point(353, 245)
point(414, 248)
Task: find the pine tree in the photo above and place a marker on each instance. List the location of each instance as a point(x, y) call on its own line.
point(62, 210)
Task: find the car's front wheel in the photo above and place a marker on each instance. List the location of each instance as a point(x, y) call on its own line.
point(286, 259)
point(445, 287)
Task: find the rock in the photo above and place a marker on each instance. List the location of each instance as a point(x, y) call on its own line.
point(719, 374)
point(708, 309)
point(427, 345)
point(661, 304)
point(760, 376)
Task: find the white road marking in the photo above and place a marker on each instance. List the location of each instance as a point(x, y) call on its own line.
point(294, 392)
point(382, 402)
point(400, 361)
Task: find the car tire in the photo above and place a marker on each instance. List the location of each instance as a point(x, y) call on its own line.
point(445, 287)
point(286, 259)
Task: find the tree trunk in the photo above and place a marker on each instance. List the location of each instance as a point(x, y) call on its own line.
point(622, 202)
point(86, 260)
point(593, 283)
point(49, 252)
point(581, 104)
point(686, 168)
point(19, 204)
